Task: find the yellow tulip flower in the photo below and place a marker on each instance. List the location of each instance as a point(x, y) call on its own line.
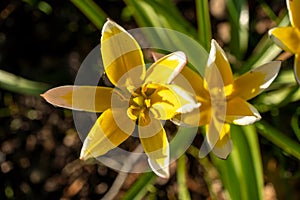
point(224, 99)
point(288, 38)
point(140, 96)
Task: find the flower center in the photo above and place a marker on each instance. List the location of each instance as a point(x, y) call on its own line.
point(140, 102)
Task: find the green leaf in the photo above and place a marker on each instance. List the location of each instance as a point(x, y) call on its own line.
point(140, 187)
point(20, 85)
point(162, 14)
point(279, 139)
point(92, 11)
point(204, 26)
point(211, 173)
point(268, 10)
point(295, 123)
point(167, 31)
point(242, 172)
point(251, 136)
point(178, 145)
point(182, 141)
point(277, 98)
point(265, 50)
point(183, 192)
point(239, 19)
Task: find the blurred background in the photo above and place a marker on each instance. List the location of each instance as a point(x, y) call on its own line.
point(42, 45)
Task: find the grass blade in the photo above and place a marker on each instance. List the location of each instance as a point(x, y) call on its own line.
point(279, 139)
point(242, 171)
point(265, 50)
point(277, 98)
point(251, 136)
point(295, 123)
point(268, 10)
point(140, 188)
point(171, 31)
point(204, 26)
point(92, 11)
point(239, 19)
point(183, 192)
point(160, 14)
point(20, 85)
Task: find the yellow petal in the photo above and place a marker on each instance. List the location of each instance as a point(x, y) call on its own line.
point(218, 58)
point(156, 146)
point(192, 82)
point(223, 146)
point(107, 133)
point(164, 103)
point(293, 8)
point(168, 100)
point(255, 81)
point(241, 113)
point(166, 68)
point(197, 117)
point(217, 139)
point(297, 68)
point(121, 54)
point(218, 77)
point(84, 98)
point(286, 38)
point(187, 101)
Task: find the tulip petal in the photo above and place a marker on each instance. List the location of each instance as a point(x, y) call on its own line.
point(241, 113)
point(293, 8)
point(120, 54)
point(83, 98)
point(217, 140)
point(166, 68)
point(156, 146)
point(255, 81)
point(223, 146)
point(187, 102)
point(287, 38)
point(218, 58)
point(297, 68)
point(192, 82)
point(106, 134)
point(197, 117)
point(168, 100)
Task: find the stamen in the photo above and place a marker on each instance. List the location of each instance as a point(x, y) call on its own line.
point(147, 103)
point(139, 100)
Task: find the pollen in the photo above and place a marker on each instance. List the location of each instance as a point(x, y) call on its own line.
point(139, 103)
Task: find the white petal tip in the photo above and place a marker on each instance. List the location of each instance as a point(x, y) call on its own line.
point(188, 108)
point(160, 171)
point(109, 24)
point(296, 69)
point(297, 79)
point(224, 151)
point(270, 31)
point(202, 154)
point(246, 120)
point(276, 64)
point(205, 149)
point(214, 48)
point(221, 152)
point(83, 156)
point(180, 54)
